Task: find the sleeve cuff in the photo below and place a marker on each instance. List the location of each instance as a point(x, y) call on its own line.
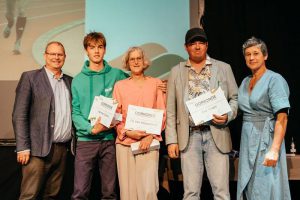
point(26, 150)
point(89, 129)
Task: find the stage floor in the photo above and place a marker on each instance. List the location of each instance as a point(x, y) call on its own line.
point(10, 179)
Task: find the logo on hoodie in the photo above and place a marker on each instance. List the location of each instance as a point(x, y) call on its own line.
point(106, 90)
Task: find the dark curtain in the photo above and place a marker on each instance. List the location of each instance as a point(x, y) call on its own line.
point(228, 23)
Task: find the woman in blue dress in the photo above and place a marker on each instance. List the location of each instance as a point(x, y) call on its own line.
point(264, 100)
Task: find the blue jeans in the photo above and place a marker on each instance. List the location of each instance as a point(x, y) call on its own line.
point(202, 151)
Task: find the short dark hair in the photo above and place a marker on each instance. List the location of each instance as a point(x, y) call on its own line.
point(94, 37)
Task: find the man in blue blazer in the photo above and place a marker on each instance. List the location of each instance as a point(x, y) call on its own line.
point(205, 145)
point(42, 125)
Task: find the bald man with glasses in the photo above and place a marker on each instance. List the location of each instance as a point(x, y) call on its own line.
point(43, 126)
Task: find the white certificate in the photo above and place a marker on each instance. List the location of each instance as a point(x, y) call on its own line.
point(104, 108)
point(144, 119)
point(204, 106)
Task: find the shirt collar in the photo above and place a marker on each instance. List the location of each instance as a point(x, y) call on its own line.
point(207, 62)
point(51, 75)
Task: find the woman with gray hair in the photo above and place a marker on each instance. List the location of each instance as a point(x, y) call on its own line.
point(137, 173)
point(264, 100)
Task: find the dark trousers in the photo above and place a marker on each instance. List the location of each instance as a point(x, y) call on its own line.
point(43, 176)
point(88, 154)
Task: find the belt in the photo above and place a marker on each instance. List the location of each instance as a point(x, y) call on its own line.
point(60, 143)
point(200, 128)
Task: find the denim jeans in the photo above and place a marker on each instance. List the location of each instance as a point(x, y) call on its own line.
point(202, 151)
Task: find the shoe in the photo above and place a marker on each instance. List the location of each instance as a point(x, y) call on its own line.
point(16, 50)
point(6, 32)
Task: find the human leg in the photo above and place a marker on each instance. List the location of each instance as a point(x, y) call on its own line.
point(108, 169)
point(56, 174)
point(10, 10)
point(126, 172)
point(85, 159)
point(192, 167)
point(33, 177)
point(147, 175)
point(217, 168)
point(20, 25)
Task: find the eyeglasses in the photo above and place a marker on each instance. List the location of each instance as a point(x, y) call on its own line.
point(138, 59)
point(60, 55)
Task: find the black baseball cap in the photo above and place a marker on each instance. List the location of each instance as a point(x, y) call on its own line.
point(195, 34)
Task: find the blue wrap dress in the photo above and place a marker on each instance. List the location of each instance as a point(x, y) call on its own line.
point(270, 94)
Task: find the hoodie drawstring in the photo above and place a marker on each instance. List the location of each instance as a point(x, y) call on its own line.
point(91, 90)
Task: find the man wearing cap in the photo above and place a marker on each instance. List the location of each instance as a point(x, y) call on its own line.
point(207, 144)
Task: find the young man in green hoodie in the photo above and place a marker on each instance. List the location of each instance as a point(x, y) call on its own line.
point(95, 144)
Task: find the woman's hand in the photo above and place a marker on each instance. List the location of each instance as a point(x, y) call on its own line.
point(163, 86)
point(137, 135)
point(271, 158)
point(145, 143)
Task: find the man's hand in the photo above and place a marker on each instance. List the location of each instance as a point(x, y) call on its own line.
point(23, 157)
point(173, 150)
point(137, 135)
point(114, 123)
point(220, 119)
point(163, 86)
point(98, 127)
point(145, 143)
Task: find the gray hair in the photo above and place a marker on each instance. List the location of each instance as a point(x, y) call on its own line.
point(57, 43)
point(125, 60)
point(253, 41)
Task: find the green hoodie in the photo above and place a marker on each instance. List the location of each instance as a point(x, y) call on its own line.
point(85, 86)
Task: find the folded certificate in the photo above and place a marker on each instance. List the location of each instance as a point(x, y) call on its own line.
point(144, 119)
point(103, 107)
point(204, 106)
point(153, 146)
